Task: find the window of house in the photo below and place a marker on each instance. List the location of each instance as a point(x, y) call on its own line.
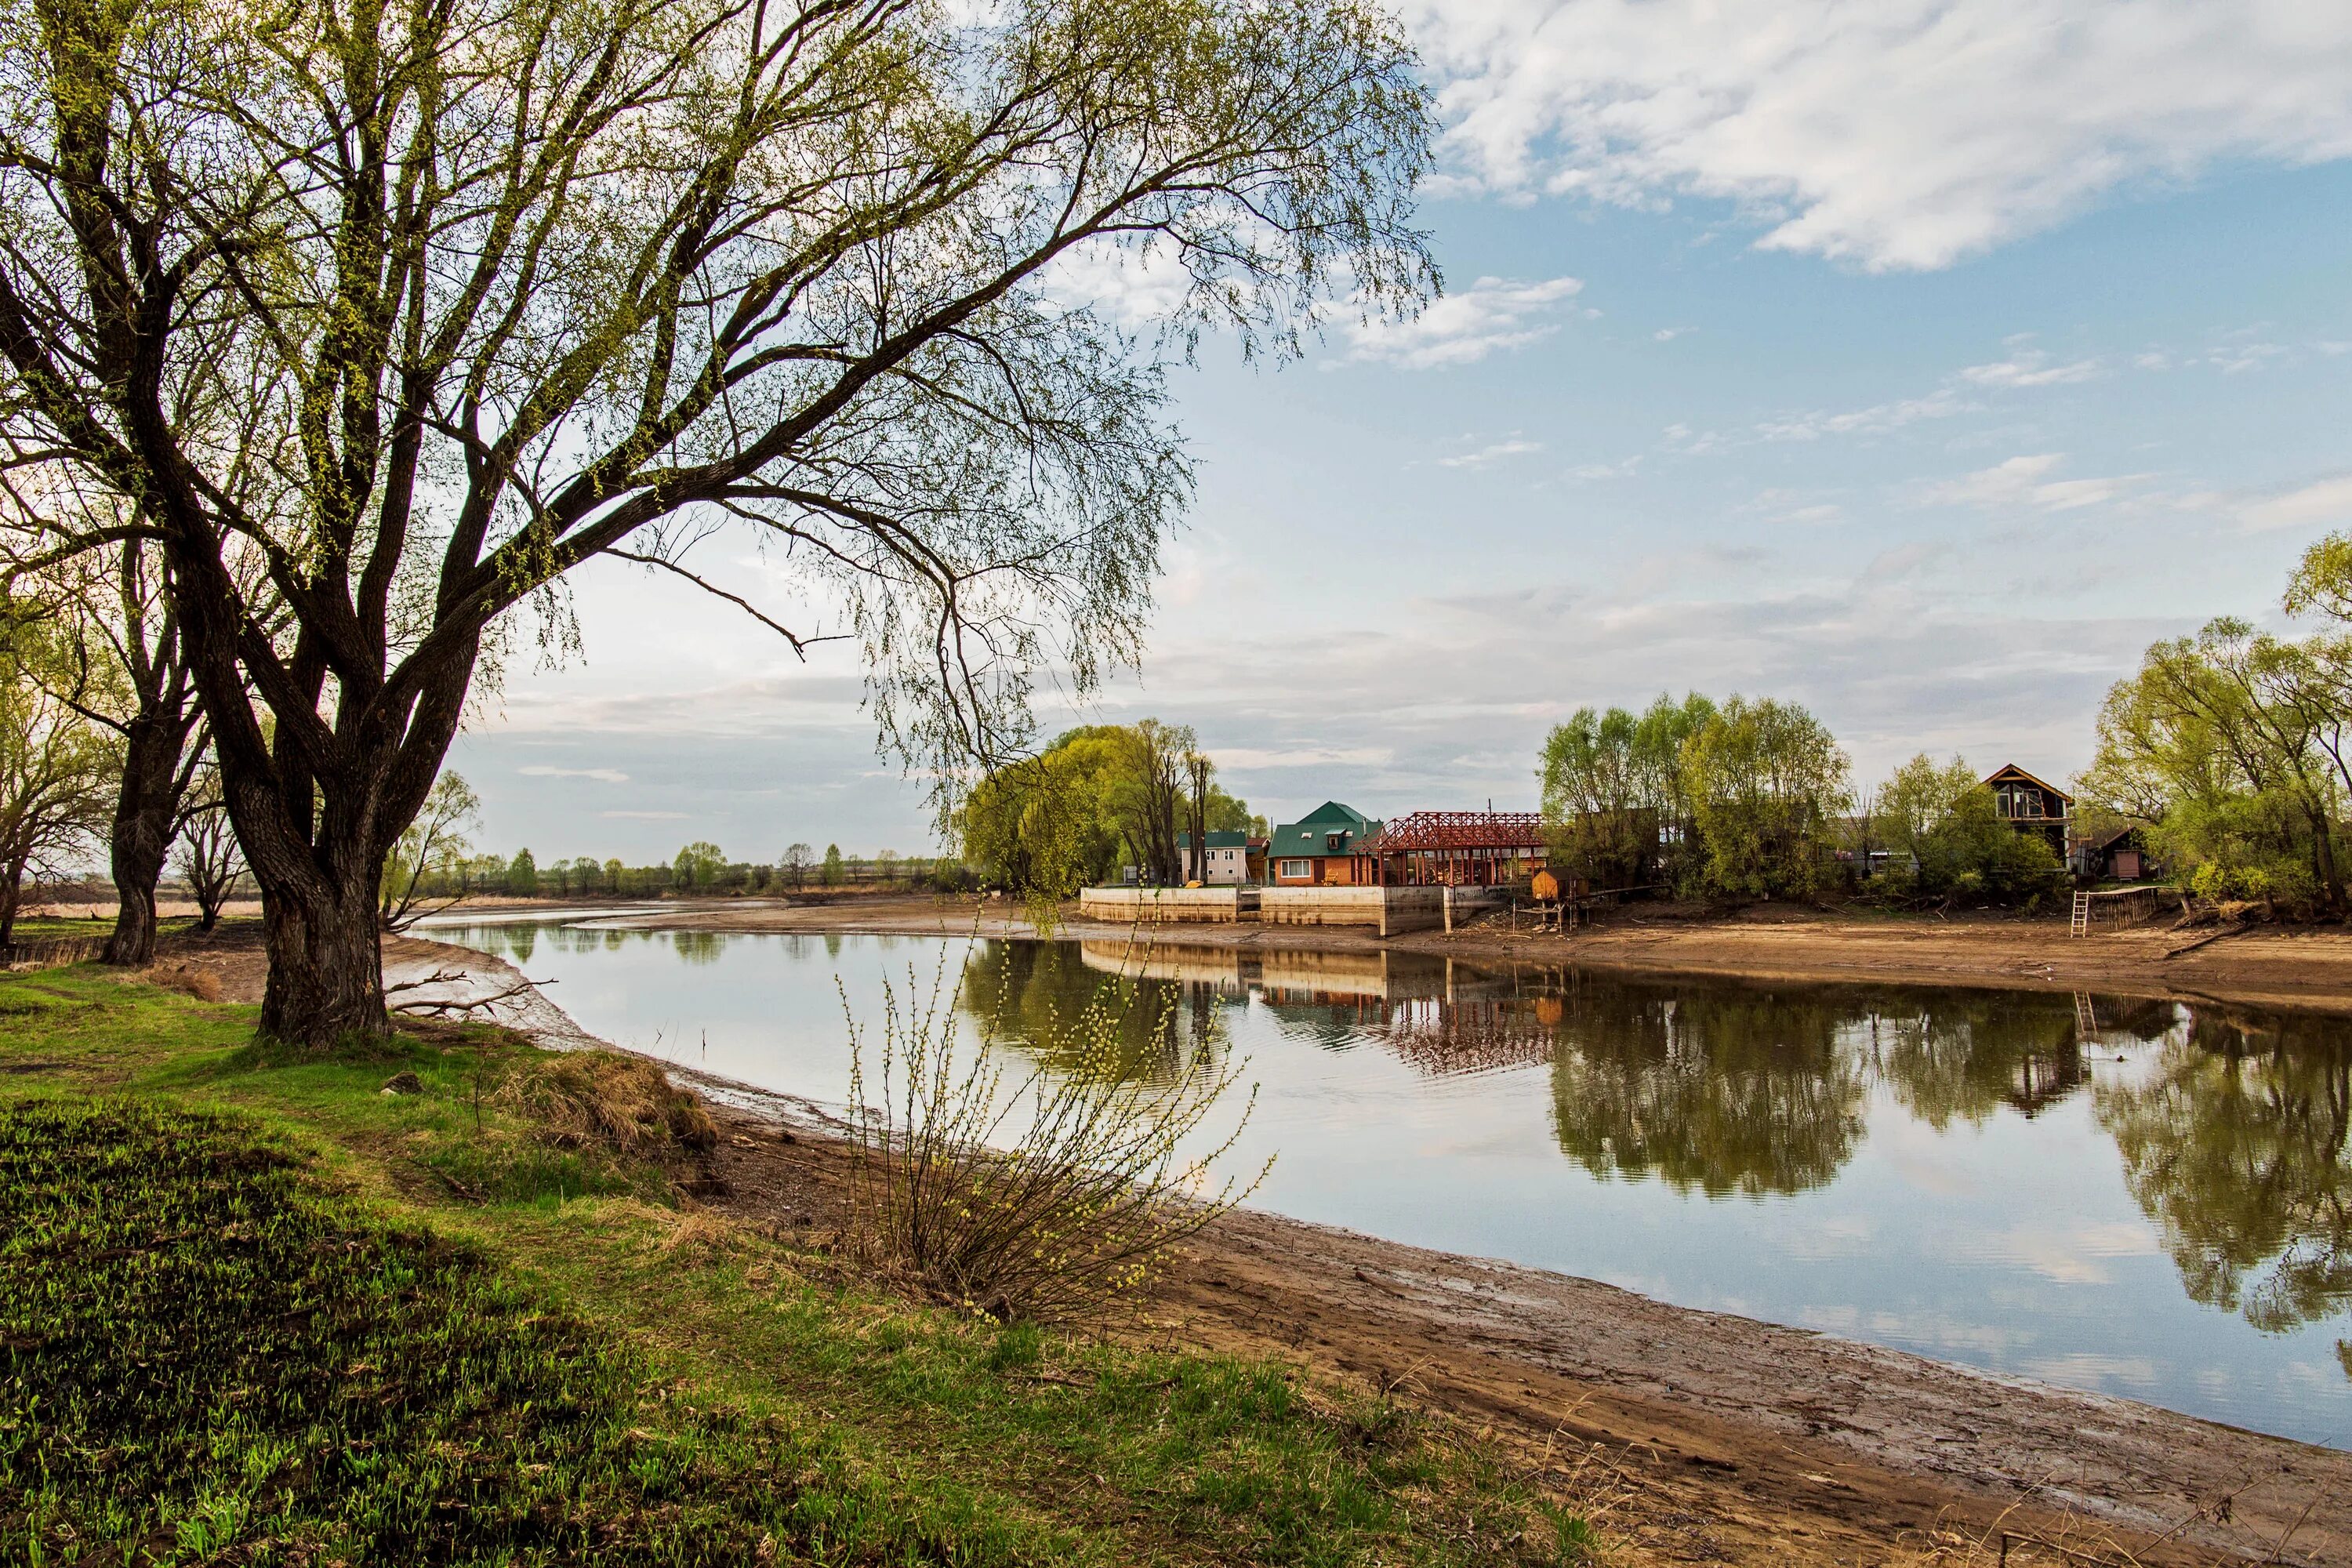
point(1297, 869)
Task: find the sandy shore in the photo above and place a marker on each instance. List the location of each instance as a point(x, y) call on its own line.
point(1708, 1437)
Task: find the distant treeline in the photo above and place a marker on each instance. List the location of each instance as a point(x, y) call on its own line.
point(434, 861)
point(699, 867)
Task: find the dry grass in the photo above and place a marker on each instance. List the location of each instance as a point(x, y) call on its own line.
point(2013, 1542)
point(185, 978)
point(602, 1099)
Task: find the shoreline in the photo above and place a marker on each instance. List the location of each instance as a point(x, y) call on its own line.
point(1730, 1433)
point(2298, 968)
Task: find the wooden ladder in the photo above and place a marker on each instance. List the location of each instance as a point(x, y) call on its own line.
point(2086, 1019)
point(2081, 925)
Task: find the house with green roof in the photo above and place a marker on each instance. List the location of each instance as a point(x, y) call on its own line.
point(1322, 848)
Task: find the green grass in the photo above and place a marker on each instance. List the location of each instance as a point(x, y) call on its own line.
point(253, 1311)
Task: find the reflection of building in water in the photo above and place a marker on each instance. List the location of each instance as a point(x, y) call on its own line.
point(1217, 966)
point(1476, 1034)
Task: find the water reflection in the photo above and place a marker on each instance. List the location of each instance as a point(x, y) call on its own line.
point(1729, 1091)
point(2233, 1140)
point(2235, 1146)
point(1054, 999)
point(2125, 1194)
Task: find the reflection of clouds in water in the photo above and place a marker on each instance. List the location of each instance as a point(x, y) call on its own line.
point(2085, 1369)
point(1841, 1236)
point(2063, 1254)
point(1990, 1344)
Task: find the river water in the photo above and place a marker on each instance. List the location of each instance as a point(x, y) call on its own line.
point(2138, 1197)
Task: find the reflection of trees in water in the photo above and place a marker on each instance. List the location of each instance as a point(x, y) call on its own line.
point(697, 947)
point(1042, 996)
point(1725, 1090)
point(522, 941)
point(1961, 1055)
point(2235, 1146)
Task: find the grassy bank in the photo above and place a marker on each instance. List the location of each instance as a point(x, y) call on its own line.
point(254, 1308)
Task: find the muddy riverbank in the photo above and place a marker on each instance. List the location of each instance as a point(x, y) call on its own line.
point(1717, 1436)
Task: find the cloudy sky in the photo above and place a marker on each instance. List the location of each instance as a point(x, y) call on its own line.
point(1919, 360)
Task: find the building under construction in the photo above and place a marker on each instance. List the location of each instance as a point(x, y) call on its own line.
point(1453, 849)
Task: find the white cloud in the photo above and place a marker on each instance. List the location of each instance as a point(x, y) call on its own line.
point(602, 775)
point(1874, 420)
point(2235, 357)
point(1127, 285)
point(2315, 505)
point(1589, 472)
point(1303, 757)
point(1492, 313)
point(1668, 334)
point(1903, 134)
point(1492, 452)
point(2021, 483)
point(644, 816)
point(2029, 367)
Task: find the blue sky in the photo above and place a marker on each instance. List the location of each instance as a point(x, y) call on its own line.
point(1922, 372)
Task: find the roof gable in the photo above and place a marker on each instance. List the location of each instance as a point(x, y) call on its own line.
point(1329, 829)
point(2010, 773)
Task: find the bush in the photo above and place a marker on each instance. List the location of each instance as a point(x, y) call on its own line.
point(1069, 1218)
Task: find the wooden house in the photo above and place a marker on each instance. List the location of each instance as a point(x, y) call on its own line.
point(2119, 855)
point(2031, 806)
point(1227, 855)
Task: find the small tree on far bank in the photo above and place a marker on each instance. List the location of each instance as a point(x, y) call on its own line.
point(207, 858)
point(798, 858)
point(56, 772)
point(1766, 781)
point(835, 872)
point(433, 849)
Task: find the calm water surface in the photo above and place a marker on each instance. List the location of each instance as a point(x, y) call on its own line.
point(2133, 1197)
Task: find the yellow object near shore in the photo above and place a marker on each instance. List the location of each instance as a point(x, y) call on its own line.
point(1546, 887)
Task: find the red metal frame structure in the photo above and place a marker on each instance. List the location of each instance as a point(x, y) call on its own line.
point(1455, 848)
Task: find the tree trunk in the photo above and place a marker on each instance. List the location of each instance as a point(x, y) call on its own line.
point(326, 967)
point(144, 811)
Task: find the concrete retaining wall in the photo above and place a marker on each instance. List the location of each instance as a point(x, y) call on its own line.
point(1389, 911)
point(1131, 905)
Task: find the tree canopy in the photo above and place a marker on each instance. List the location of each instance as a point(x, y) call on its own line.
point(407, 313)
point(2231, 750)
point(1099, 797)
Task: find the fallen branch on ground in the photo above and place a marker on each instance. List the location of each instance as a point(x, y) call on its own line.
point(452, 1006)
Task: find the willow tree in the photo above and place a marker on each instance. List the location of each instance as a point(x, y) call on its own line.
point(498, 287)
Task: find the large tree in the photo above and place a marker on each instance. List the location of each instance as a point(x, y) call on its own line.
point(496, 286)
